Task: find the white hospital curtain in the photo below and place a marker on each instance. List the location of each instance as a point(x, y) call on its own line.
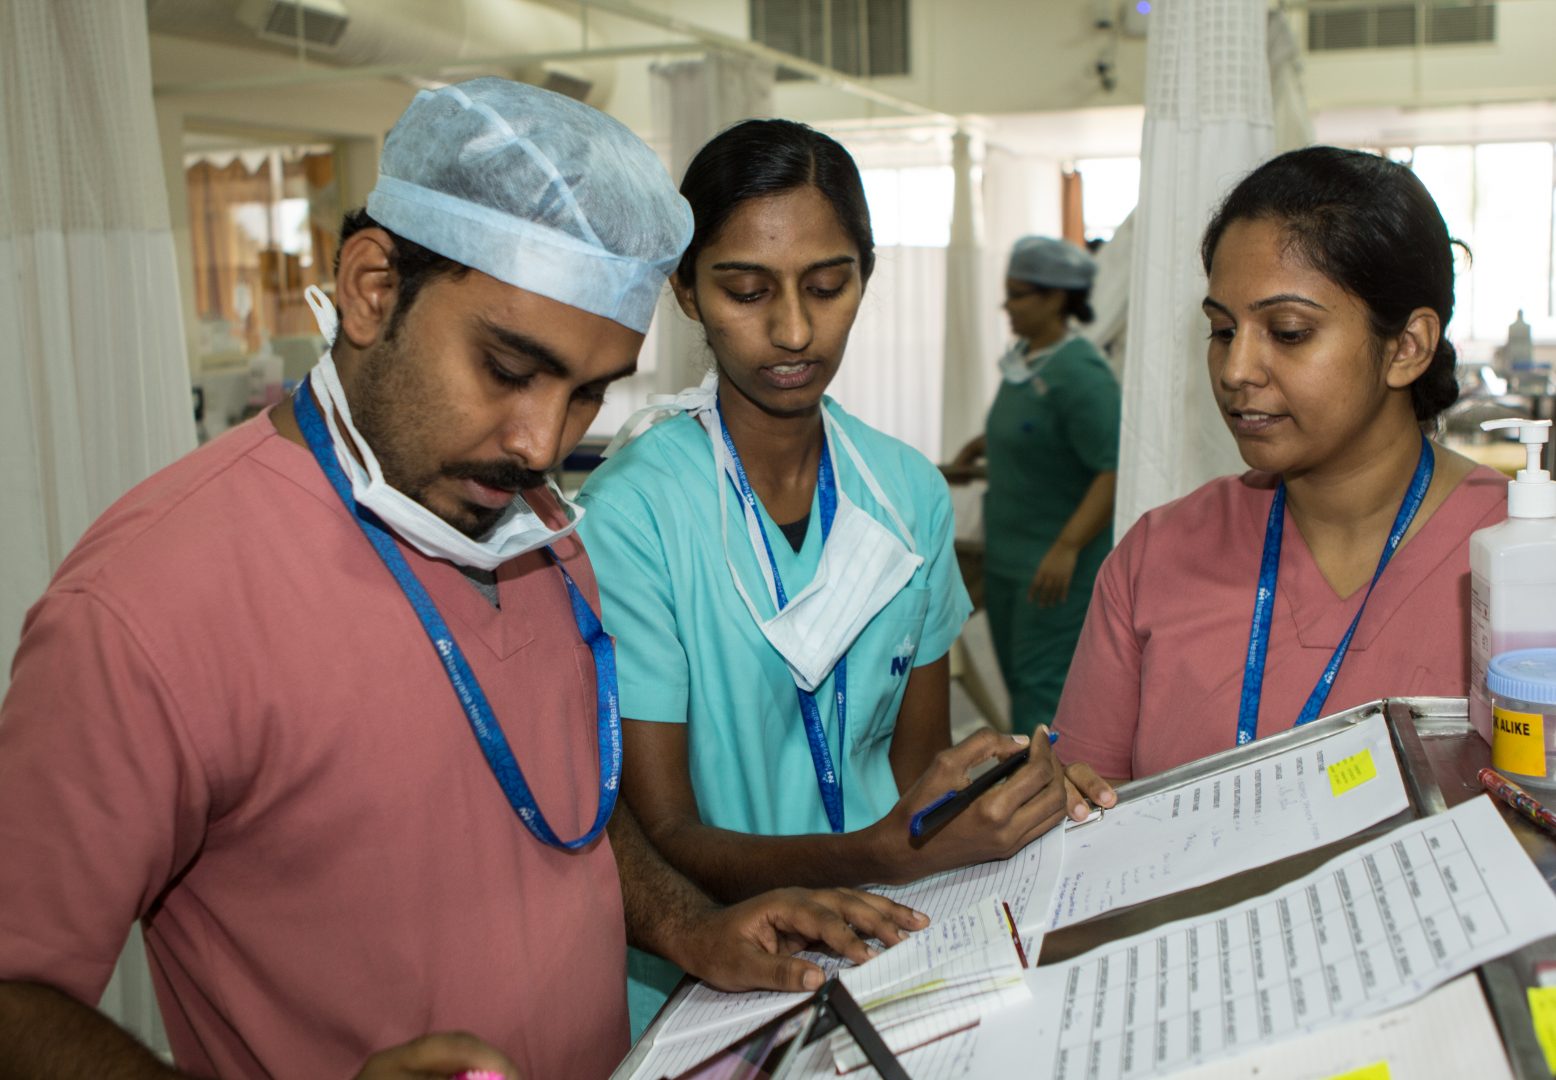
point(1207, 123)
point(1021, 197)
point(94, 383)
point(1110, 294)
point(891, 373)
point(894, 370)
point(965, 375)
point(1293, 121)
point(694, 100)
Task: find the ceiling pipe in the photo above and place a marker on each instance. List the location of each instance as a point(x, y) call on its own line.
point(703, 39)
point(429, 69)
point(728, 43)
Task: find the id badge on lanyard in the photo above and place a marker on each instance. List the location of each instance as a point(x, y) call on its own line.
point(1264, 601)
point(483, 722)
point(828, 777)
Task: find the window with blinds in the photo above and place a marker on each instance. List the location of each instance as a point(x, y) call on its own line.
point(856, 37)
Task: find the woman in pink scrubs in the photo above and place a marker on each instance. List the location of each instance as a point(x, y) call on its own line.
point(1335, 571)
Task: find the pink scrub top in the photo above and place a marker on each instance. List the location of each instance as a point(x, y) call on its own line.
point(1158, 673)
point(225, 721)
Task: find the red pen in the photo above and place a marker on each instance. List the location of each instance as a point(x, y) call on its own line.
point(1519, 799)
point(1015, 933)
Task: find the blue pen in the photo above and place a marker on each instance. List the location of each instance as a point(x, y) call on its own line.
point(945, 808)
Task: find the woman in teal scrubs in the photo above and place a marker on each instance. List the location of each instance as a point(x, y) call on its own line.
point(1051, 444)
point(779, 577)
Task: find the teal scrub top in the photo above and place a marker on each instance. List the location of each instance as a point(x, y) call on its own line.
point(688, 651)
point(1047, 439)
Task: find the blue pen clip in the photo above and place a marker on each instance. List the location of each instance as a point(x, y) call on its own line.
point(916, 824)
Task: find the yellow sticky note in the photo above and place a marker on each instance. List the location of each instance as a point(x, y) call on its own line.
point(1518, 742)
point(1542, 1008)
point(1378, 1070)
point(1351, 772)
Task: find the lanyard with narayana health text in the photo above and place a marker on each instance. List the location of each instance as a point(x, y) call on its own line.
point(828, 778)
point(488, 733)
point(1264, 601)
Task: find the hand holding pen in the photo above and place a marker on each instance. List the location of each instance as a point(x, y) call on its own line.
point(1033, 797)
point(944, 809)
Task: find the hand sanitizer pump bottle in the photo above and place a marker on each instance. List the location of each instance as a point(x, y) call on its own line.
point(1513, 571)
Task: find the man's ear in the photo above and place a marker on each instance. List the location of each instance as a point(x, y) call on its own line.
point(686, 296)
point(365, 287)
point(1411, 352)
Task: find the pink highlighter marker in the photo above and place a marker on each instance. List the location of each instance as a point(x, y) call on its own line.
point(478, 1074)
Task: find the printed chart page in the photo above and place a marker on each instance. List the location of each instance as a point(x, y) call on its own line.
point(1449, 1032)
point(1233, 821)
point(1372, 929)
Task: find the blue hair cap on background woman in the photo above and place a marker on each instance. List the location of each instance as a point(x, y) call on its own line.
point(1054, 264)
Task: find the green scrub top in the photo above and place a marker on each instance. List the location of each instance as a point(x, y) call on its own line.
point(688, 651)
point(1047, 439)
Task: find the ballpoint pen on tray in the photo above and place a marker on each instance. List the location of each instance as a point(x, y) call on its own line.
point(1519, 799)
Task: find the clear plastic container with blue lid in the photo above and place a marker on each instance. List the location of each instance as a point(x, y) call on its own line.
point(1523, 699)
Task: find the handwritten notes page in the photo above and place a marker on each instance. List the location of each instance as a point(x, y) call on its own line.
point(1025, 881)
point(1230, 822)
point(1374, 928)
point(936, 982)
point(912, 1004)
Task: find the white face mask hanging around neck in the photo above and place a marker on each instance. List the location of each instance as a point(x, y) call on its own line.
point(863, 565)
point(518, 531)
point(1018, 367)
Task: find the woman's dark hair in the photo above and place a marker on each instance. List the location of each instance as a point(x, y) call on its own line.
point(1077, 305)
point(1369, 225)
point(769, 157)
point(414, 266)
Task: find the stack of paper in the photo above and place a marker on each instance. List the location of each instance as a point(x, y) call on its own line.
point(912, 1003)
point(938, 982)
point(1372, 929)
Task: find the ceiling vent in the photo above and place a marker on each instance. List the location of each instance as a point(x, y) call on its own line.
point(855, 37)
point(1336, 26)
point(320, 23)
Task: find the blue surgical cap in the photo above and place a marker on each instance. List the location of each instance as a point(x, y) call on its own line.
point(1053, 264)
point(537, 190)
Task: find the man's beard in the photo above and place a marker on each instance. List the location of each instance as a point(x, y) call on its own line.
point(393, 411)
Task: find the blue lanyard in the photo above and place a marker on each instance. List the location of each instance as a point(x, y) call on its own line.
point(494, 745)
point(828, 778)
point(1264, 601)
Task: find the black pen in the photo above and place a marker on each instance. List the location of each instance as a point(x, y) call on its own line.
point(945, 808)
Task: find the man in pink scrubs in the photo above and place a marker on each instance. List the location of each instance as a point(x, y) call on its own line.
point(325, 705)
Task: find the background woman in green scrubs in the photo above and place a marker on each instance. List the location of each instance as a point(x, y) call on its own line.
point(1051, 443)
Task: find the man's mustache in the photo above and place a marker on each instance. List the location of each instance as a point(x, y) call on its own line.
point(499, 474)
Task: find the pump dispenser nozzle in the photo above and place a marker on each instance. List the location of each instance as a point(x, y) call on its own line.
point(1532, 494)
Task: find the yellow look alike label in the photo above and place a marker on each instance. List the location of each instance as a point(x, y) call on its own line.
point(1518, 742)
point(1351, 772)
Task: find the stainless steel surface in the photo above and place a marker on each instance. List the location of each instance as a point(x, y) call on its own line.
point(1415, 762)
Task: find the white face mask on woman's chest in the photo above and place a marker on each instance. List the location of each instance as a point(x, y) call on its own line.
point(863, 565)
